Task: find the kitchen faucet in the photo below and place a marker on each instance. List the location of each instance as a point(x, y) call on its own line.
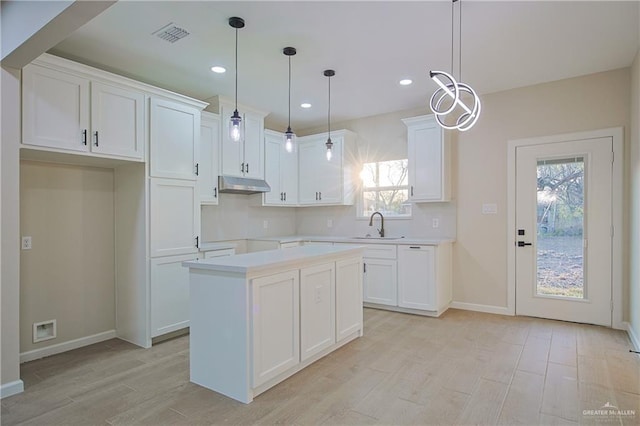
point(381, 230)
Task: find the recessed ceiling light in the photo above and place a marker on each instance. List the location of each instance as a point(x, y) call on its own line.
point(405, 82)
point(305, 105)
point(218, 70)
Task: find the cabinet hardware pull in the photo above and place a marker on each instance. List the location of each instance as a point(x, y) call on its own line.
point(316, 196)
point(242, 168)
point(320, 194)
point(197, 169)
point(412, 190)
point(96, 135)
point(197, 242)
point(247, 168)
point(282, 196)
point(84, 137)
point(285, 196)
point(414, 247)
point(215, 192)
point(364, 267)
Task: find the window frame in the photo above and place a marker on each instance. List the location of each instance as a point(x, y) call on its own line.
point(360, 214)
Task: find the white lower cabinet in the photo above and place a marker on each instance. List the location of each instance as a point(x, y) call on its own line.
point(348, 297)
point(174, 217)
point(416, 277)
point(380, 281)
point(210, 254)
point(276, 322)
point(169, 294)
point(380, 274)
point(317, 309)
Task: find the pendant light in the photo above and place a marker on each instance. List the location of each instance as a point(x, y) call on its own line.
point(289, 136)
point(235, 122)
point(329, 144)
point(448, 96)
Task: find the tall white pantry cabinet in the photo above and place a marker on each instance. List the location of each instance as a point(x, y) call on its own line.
point(150, 137)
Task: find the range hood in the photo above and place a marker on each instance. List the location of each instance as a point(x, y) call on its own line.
point(238, 185)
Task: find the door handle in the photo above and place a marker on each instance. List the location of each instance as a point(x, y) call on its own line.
point(522, 244)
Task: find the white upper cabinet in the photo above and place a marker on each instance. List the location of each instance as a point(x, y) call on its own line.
point(244, 158)
point(65, 111)
point(281, 171)
point(429, 160)
point(175, 134)
point(117, 121)
point(322, 181)
point(209, 159)
point(55, 109)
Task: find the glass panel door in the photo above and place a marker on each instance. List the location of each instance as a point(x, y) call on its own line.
point(560, 228)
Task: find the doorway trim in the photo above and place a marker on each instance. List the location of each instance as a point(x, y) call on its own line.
point(617, 134)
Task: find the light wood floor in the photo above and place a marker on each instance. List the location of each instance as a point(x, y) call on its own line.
point(463, 368)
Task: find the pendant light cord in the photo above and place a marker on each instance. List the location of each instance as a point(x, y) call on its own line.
point(329, 111)
point(452, 4)
point(460, 43)
point(236, 69)
point(289, 93)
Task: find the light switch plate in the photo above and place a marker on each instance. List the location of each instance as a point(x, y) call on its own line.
point(489, 208)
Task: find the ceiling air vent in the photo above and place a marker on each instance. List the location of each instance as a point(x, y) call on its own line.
point(171, 33)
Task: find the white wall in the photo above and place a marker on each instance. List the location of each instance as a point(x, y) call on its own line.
point(69, 274)
point(10, 274)
point(634, 204)
point(579, 104)
point(242, 216)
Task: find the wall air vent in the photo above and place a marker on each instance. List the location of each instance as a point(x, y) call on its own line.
point(171, 33)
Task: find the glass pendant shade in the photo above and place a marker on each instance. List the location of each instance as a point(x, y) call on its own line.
point(236, 127)
point(329, 146)
point(289, 140)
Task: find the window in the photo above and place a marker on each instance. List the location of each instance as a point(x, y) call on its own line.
point(385, 188)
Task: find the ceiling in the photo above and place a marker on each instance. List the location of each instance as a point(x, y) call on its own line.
point(370, 44)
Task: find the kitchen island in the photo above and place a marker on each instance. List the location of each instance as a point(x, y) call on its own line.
point(259, 318)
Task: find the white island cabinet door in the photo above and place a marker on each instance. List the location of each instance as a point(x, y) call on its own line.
point(416, 277)
point(55, 109)
point(317, 309)
point(348, 297)
point(380, 282)
point(276, 325)
point(117, 121)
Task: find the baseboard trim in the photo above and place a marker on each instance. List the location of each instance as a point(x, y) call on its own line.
point(633, 336)
point(489, 309)
point(11, 388)
point(66, 346)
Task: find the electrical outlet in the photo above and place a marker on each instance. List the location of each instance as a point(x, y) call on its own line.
point(435, 222)
point(265, 224)
point(329, 223)
point(26, 243)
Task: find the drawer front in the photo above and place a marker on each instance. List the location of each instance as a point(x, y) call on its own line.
point(219, 253)
point(380, 251)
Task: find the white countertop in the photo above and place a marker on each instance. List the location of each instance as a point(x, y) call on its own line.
point(372, 240)
point(262, 260)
